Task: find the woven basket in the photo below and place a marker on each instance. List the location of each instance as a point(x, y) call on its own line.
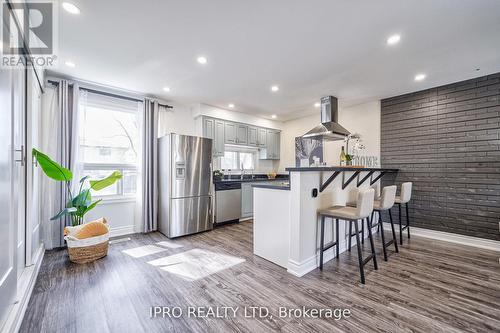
point(86, 254)
point(87, 250)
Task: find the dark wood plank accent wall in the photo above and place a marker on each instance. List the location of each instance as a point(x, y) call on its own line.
point(446, 140)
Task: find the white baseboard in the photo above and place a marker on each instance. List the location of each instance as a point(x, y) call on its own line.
point(481, 243)
point(121, 231)
point(26, 283)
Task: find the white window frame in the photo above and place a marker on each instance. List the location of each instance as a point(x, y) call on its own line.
point(112, 167)
point(238, 151)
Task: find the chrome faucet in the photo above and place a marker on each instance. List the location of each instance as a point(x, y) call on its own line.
point(242, 172)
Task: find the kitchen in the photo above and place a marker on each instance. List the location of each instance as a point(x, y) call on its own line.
point(264, 166)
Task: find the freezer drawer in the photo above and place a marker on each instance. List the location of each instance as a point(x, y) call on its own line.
point(187, 216)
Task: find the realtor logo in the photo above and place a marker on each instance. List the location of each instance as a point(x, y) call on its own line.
point(28, 33)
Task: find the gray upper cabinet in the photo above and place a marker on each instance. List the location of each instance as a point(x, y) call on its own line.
point(218, 137)
point(229, 132)
point(272, 149)
point(277, 144)
point(214, 129)
point(262, 137)
point(208, 128)
point(242, 134)
point(253, 133)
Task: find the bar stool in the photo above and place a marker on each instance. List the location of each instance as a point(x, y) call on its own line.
point(362, 211)
point(376, 188)
point(404, 198)
point(385, 203)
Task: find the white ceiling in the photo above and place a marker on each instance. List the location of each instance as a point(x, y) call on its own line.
point(309, 48)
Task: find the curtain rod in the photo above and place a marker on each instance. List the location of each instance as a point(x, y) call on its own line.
point(105, 93)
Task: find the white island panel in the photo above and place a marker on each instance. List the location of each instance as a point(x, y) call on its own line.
point(271, 225)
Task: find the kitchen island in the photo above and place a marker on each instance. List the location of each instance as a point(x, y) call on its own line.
point(286, 224)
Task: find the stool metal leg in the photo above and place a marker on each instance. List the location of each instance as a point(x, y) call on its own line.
point(407, 220)
point(400, 226)
point(322, 242)
point(338, 237)
point(393, 232)
point(360, 258)
point(362, 231)
point(350, 233)
point(369, 226)
point(382, 234)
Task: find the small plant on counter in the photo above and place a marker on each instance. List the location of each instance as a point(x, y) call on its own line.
point(218, 174)
point(81, 203)
point(357, 146)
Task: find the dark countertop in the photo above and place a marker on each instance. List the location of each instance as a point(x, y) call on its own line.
point(273, 187)
point(338, 168)
point(248, 179)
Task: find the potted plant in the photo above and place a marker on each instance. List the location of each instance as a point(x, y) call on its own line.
point(79, 204)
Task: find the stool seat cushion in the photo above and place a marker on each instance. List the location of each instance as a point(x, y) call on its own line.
point(398, 200)
point(353, 203)
point(341, 212)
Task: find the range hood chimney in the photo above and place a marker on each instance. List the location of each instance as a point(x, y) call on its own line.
point(329, 129)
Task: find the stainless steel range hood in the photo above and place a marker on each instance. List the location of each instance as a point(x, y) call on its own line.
point(329, 129)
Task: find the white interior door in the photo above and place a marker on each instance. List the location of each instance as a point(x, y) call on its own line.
point(19, 167)
point(8, 237)
point(33, 177)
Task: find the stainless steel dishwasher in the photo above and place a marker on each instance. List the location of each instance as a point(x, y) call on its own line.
point(227, 202)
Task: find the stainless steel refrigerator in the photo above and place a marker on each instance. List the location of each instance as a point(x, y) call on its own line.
point(185, 185)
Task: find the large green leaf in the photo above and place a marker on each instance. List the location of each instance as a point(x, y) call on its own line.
point(51, 168)
point(82, 199)
point(92, 206)
point(98, 185)
point(63, 212)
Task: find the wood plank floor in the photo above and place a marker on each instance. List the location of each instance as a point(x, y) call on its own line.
point(430, 286)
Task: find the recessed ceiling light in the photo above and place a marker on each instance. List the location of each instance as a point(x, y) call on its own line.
point(275, 88)
point(274, 116)
point(230, 105)
point(420, 77)
point(71, 8)
point(394, 39)
point(70, 64)
point(167, 89)
point(317, 105)
point(202, 60)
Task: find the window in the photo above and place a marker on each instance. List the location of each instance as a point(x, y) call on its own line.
point(235, 159)
point(110, 140)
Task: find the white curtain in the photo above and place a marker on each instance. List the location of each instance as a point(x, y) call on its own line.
point(59, 140)
point(149, 166)
point(164, 115)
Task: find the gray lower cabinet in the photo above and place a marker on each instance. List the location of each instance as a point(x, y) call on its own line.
point(246, 200)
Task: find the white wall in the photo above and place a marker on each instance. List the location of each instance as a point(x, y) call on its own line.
point(363, 119)
point(178, 120)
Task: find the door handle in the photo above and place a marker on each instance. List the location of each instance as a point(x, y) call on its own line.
point(22, 160)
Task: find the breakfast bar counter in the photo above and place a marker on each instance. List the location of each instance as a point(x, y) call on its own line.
point(286, 224)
